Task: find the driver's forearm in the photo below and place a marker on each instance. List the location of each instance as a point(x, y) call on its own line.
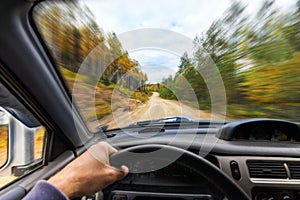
point(46, 191)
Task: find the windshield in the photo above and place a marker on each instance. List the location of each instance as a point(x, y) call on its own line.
point(139, 60)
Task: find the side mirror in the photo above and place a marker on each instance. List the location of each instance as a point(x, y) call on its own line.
point(20, 145)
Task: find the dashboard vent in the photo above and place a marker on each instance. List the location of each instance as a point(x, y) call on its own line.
point(266, 169)
point(294, 169)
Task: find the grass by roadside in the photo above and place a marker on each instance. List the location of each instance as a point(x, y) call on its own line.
point(263, 111)
point(141, 96)
point(166, 93)
point(242, 111)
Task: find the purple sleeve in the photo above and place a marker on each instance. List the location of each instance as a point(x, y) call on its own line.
point(43, 190)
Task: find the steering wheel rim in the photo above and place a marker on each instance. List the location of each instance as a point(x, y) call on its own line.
point(201, 166)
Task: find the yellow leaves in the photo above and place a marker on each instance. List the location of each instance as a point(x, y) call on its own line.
point(271, 83)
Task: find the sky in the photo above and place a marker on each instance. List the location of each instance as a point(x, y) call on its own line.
point(187, 18)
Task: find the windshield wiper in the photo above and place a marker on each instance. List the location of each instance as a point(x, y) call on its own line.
point(167, 123)
point(165, 120)
point(178, 120)
point(170, 120)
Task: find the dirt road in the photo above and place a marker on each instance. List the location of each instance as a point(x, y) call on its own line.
point(155, 108)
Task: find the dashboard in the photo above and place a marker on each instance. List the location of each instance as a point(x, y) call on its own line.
point(172, 182)
point(260, 129)
point(265, 178)
point(263, 132)
point(261, 155)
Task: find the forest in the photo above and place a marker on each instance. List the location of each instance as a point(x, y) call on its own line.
point(258, 57)
point(81, 50)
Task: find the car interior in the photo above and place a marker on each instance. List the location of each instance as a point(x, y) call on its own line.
point(169, 157)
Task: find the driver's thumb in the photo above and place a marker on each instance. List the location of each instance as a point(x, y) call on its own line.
point(122, 172)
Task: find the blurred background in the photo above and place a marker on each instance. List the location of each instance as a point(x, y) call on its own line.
point(257, 52)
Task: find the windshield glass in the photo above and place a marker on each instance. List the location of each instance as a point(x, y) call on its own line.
point(129, 61)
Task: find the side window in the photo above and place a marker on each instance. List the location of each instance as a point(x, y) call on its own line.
point(3, 143)
point(22, 139)
point(39, 142)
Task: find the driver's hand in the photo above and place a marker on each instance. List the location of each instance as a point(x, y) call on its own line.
point(89, 173)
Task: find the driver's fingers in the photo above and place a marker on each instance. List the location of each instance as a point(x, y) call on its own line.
point(104, 146)
point(112, 150)
point(101, 151)
point(118, 174)
point(125, 169)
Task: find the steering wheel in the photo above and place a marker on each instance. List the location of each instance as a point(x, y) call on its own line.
point(199, 165)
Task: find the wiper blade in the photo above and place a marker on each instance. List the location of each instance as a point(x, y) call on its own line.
point(177, 121)
point(165, 120)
